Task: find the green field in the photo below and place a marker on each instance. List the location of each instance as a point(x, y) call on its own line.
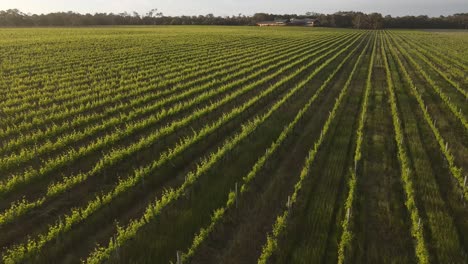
point(233, 145)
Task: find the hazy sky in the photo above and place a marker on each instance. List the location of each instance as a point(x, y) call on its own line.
point(248, 7)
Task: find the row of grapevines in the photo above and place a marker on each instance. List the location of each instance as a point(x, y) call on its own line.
point(145, 98)
point(444, 49)
point(280, 224)
point(63, 99)
point(452, 69)
point(66, 139)
point(145, 93)
point(220, 212)
point(347, 235)
point(125, 54)
point(153, 210)
point(406, 174)
point(55, 93)
point(453, 108)
point(21, 252)
point(134, 86)
point(441, 73)
point(456, 172)
point(101, 143)
point(137, 66)
point(106, 94)
point(55, 189)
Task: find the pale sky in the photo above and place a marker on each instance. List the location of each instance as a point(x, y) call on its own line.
point(247, 7)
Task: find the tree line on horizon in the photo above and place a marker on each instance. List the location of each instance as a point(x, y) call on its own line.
point(360, 20)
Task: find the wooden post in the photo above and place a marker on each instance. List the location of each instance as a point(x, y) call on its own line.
point(348, 214)
point(464, 183)
point(419, 222)
point(179, 259)
point(289, 202)
point(236, 196)
point(446, 146)
point(116, 247)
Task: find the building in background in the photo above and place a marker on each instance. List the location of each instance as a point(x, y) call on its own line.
point(306, 22)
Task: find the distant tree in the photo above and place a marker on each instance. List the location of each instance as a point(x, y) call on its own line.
point(259, 17)
point(151, 17)
point(376, 21)
point(347, 19)
point(342, 19)
point(358, 20)
point(461, 19)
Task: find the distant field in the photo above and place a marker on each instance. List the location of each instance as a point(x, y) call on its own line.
point(233, 145)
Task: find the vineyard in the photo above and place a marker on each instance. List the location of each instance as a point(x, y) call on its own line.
point(233, 145)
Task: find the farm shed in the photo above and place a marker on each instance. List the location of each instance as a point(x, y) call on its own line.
point(290, 22)
point(268, 24)
point(304, 22)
